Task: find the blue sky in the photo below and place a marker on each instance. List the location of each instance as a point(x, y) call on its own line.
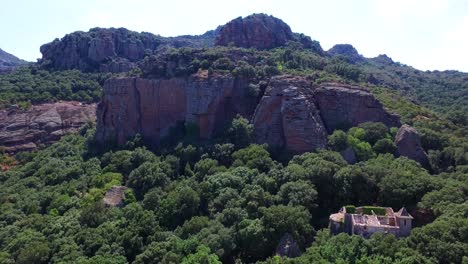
point(426, 34)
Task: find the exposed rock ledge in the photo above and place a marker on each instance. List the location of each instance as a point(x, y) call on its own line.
point(291, 114)
point(23, 130)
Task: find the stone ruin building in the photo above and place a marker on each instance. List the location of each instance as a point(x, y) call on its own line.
point(368, 220)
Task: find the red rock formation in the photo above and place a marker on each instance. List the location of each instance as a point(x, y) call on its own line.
point(22, 130)
point(255, 31)
point(408, 142)
point(347, 106)
point(291, 114)
point(294, 115)
point(287, 116)
point(152, 107)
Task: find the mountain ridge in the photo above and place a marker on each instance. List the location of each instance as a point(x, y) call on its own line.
point(9, 62)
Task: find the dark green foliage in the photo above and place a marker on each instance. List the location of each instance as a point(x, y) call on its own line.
point(254, 156)
point(227, 200)
point(32, 85)
point(338, 140)
point(345, 70)
point(179, 205)
point(147, 176)
point(202, 256)
point(216, 212)
point(355, 186)
point(350, 209)
point(444, 240)
point(369, 210)
point(384, 145)
point(374, 131)
point(240, 132)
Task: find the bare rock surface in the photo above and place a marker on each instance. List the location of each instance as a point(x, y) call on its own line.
point(255, 31)
point(22, 130)
point(291, 114)
point(111, 49)
point(408, 142)
point(115, 196)
point(287, 116)
point(344, 105)
point(152, 107)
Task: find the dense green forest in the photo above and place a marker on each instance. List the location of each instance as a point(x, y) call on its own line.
point(31, 85)
point(229, 200)
point(222, 202)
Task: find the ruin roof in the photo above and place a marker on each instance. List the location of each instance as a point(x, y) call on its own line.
point(403, 213)
point(371, 220)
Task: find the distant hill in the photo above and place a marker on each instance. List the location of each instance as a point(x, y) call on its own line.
point(9, 62)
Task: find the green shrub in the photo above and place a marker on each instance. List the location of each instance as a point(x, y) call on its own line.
point(350, 209)
point(375, 209)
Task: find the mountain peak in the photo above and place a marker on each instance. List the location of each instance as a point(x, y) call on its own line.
point(346, 50)
point(259, 31)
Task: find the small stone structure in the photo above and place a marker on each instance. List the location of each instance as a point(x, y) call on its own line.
point(359, 221)
point(115, 196)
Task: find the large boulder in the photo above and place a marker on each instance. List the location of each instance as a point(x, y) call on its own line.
point(255, 31)
point(22, 130)
point(408, 142)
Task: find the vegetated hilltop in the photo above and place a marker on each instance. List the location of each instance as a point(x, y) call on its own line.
point(207, 193)
point(9, 62)
point(119, 50)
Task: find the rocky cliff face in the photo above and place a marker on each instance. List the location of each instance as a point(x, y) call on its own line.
point(256, 31)
point(110, 49)
point(294, 115)
point(9, 62)
point(288, 117)
point(343, 106)
point(408, 142)
point(152, 107)
point(291, 114)
point(22, 130)
point(120, 50)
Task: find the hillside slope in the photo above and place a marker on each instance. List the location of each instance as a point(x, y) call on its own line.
point(9, 62)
